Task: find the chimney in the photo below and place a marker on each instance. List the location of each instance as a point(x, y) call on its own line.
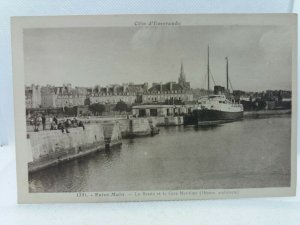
point(115, 89)
point(69, 87)
point(146, 86)
point(125, 88)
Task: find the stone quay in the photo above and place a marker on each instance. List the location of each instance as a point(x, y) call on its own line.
point(51, 147)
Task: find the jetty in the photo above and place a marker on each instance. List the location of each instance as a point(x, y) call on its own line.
point(51, 147)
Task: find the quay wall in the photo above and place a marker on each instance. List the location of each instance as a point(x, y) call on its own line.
point(139, 122)
point(128, 127)
point(112, 133)
point(167, 121)
point(116, 135)
point(139, 127)
point(135, 127)
point(52, 147)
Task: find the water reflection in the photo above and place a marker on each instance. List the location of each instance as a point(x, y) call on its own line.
point(112, 153)
point(207, 127)
point(265, 116)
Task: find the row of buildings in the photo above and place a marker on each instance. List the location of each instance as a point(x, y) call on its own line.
point(170, 93)
point(268, 95)
point(68, 96)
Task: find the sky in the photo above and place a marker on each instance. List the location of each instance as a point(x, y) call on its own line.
point(260, 57)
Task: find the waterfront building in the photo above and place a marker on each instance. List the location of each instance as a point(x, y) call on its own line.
point(33, 96)
point(48, 97)
point(245, 98)
point(128, 98)
point(170, 92)
point(129, 93)
point(62, 96)
point(66, 96)
point(158, 110)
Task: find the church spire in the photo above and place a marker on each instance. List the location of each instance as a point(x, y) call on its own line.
point(181, 80)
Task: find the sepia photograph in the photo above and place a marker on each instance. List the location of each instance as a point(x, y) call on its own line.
point(158, 104)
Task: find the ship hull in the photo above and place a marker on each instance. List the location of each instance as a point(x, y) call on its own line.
point(207, 117)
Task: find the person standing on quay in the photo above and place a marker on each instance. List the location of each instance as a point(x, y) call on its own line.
point(44, 121)
point(55, 120)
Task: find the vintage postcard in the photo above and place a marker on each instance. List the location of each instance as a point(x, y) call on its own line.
point(154, 107)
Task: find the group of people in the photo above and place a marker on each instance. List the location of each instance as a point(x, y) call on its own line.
point(64, 125)
point(37, 120)
point(55, 124)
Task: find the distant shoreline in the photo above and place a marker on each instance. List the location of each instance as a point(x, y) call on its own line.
point(249, 114)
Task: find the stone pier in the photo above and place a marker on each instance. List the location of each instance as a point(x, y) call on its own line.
point(135, 127)
point(167, 121)
point(47, 148)
point(129, 127)
point(112, 133)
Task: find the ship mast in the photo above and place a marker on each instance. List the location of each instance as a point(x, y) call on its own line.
point(227, 78)
point(208, 70)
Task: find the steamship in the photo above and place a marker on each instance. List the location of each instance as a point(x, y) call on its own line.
point(217, 108)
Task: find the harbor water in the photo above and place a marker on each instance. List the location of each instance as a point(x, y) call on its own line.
point(252, 153)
